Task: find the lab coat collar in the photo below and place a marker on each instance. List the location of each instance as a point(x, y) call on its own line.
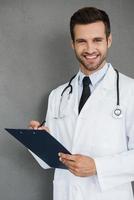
point(109, 81)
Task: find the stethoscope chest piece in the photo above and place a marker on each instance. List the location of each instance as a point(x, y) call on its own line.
point(117, 112)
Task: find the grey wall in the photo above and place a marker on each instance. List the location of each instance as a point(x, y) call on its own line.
point(35, 56)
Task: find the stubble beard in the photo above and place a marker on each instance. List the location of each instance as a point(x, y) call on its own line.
point(89, 67)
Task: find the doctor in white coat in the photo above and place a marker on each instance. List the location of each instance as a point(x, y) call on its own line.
point(101, 166)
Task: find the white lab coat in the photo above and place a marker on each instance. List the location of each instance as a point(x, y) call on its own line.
point(95, 133)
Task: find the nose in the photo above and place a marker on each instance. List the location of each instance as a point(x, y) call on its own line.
point(90, 47)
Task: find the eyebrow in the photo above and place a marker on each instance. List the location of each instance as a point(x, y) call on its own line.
point(82, 39)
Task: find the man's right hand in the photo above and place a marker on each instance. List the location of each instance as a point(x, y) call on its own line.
point(36, 125)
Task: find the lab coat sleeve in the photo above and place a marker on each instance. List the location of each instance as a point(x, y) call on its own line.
point(40, 161)
point(118, 169)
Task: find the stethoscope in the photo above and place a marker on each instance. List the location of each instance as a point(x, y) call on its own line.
point(117, 112)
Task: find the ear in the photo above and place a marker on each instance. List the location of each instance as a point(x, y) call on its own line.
point(109, 40)
point(72, 44)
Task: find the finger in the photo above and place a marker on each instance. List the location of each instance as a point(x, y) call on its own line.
point(34, 124)
point(70, 165)
point(67, 162)
point(40, 128)
point(74, 172)
point(67, 156)
point(43, 128)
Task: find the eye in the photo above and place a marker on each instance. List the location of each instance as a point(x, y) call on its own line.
point(80, 41)
point(98, 40)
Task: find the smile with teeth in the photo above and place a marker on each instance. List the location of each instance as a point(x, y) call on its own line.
point(90, 56)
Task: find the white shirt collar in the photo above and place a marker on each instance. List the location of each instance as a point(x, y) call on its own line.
point(95, 77)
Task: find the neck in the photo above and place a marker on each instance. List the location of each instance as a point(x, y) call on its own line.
point(89, 71)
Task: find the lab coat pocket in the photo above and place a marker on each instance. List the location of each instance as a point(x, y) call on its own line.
point(123, 192)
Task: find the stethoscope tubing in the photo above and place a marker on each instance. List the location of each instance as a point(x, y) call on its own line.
point(69, 85)
point(117, 88)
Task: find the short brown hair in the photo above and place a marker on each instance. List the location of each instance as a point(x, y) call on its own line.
point(88, 15)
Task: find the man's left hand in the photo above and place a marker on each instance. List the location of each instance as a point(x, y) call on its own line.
point(79, 165)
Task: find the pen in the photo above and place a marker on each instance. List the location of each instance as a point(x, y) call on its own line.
point(41, 124)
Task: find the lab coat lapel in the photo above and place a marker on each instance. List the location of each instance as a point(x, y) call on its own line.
point(102, 96)
point(75, 99)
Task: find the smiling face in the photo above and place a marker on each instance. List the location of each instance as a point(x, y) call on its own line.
point(91, 46)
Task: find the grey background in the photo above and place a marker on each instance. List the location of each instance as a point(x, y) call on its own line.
point(35, 56)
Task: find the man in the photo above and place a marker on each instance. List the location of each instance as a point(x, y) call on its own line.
point(100, 137)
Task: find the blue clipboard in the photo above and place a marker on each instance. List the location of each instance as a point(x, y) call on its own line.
point(42, 143)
